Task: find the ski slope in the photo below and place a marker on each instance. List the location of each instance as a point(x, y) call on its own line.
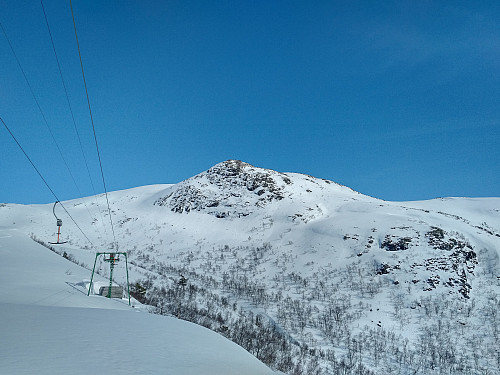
point(49, 325)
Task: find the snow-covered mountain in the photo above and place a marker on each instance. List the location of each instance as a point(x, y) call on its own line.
point(328, 278)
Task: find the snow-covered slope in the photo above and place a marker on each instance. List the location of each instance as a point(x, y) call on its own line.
point(49, 325)
point(324, 266)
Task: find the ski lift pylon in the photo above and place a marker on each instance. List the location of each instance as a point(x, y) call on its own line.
point(112, 258)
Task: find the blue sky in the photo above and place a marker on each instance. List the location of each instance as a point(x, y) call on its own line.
point(397, 99)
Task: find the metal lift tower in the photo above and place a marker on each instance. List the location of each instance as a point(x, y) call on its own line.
point(112, 258)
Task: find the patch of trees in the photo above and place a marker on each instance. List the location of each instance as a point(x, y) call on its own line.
point(309, 323)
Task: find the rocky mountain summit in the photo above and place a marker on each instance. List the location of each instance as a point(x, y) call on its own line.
point(235, 189)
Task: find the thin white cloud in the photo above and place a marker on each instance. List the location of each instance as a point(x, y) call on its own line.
point(453, 37)
point(439, 128)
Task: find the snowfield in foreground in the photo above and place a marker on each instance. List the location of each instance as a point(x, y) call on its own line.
point(49, 325)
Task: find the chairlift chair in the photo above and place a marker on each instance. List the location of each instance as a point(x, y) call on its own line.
point(59, 225)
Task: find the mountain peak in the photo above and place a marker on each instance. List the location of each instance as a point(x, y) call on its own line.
point(241, 174)
point(234, 188)
point(230, 188)
point(233, 167)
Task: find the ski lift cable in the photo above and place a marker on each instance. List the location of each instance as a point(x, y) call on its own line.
point(93, 126)
point(40, 110)
point(74, 121)
point(43, 179)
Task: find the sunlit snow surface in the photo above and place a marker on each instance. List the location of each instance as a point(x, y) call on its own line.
point(298, 239)
point(48, 325)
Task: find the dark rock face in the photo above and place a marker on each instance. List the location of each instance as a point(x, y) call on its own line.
point(237, 174)
point(398, 244)
point(459, 260)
